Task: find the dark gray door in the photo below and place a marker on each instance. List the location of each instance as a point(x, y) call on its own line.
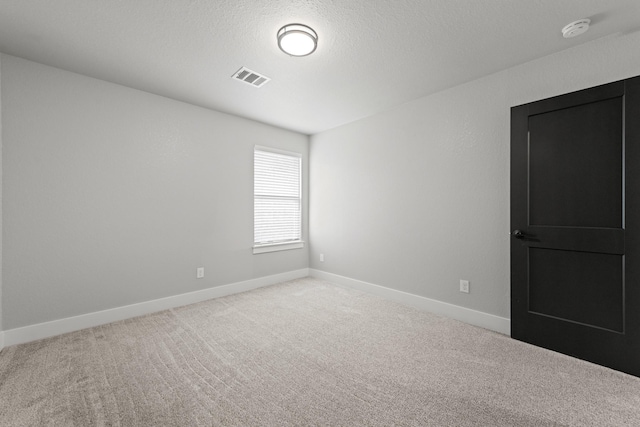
point(575, 218)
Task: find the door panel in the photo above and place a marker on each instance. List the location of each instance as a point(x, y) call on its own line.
point(576, 166)
point(558, 276)
point(575, 182)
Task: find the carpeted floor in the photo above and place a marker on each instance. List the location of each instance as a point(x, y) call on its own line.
point(304, 353)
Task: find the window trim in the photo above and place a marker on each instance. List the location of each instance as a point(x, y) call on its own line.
point(275, 247)
point(259, 248)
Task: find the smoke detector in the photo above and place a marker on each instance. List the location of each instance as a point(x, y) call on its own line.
point(576, 28)
point(249, 77)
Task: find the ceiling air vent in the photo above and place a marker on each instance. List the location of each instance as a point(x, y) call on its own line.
point(250, 77)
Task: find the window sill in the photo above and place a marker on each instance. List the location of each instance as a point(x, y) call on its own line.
point(274, 247)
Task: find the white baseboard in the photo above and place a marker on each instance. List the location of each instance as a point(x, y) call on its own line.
point(76, 323)
point(1, 340)
point(467, 315)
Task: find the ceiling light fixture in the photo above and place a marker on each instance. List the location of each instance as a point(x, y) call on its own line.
point(297, 40)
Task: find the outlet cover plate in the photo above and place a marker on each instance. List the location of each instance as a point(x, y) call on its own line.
point(464, 286)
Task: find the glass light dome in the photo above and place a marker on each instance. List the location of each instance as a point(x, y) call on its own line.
point(297, 40)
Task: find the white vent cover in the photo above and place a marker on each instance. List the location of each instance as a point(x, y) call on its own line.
point(250, 77)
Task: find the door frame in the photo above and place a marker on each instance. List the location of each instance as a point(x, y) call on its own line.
point(560, 338)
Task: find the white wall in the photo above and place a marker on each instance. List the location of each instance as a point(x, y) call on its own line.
point(113, 196)
point(1, 173)
point(417, 198)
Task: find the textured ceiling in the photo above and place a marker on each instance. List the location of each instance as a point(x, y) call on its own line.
point(372, 54)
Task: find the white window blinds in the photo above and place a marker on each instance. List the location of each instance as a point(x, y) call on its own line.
point(277, 207)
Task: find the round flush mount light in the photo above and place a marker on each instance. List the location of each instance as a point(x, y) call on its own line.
point(297, 40)
point(576, 28)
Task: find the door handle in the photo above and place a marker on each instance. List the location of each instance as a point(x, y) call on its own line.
point(518, 234)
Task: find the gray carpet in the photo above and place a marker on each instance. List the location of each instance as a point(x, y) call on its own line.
point(304, 353)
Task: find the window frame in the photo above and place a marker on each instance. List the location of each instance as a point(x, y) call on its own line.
point(259, 248)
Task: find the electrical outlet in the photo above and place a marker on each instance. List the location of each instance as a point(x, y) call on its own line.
point(464, 286)
point(199, 272)
point(321, 257)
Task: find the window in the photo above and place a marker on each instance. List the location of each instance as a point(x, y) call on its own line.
point(277, 203)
